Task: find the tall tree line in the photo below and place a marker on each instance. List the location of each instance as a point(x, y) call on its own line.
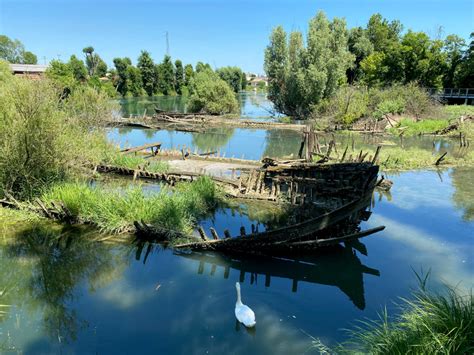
point(304, 71)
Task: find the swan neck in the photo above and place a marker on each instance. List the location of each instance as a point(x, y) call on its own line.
point(239, 300)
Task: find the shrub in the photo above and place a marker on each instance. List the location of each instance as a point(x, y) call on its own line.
point(347, 105)
point(210, 94)
point(40, 141)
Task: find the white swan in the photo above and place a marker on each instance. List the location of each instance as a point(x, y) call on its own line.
point(243, 313)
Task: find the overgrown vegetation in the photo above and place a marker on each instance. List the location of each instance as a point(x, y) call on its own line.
point(412, 128)
point(114, 210)
point(210, 94)
point(45, 139)
point(429, 323)
point(380, 55)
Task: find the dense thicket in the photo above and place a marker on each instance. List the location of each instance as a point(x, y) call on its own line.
point(305, 71)
point(44, 137)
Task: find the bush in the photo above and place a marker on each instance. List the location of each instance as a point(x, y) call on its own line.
point(41, 142)
point(347, 105)
point(210, 94)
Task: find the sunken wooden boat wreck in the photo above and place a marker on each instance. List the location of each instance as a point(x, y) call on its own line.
point(340, 225)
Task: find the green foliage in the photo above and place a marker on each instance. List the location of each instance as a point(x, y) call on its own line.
point(200, 66)
point(134, 81)
point(429, 323)
point(78, 69)
point(13, 51)
point(347, 105)
point(300, 77)
point(411, 128)
point(456, 111)
point(62, 75)
point(94, 63)
point(179, 76)
point(5, 74)
point(188, 74)
point(232, 76)
point(114, 210)
point(42, 141)
point(166, 83)
point(210, 94)
point(121, 78)
point(464, 72)
point(147, 72)
point(113, 157)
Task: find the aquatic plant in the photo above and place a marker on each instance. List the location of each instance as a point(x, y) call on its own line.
point(429, 323)
point(114, 210)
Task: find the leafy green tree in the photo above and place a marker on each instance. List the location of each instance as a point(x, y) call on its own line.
point(13, 51)
point(423, 58)
point(243, 80)
point(188, 74)
point(95, 64)
point(301, 77)
point(166, 76)
point(147, 71)
point(121, 65)
point(179, 76)
point(382, 33)
point(232, 76)
point(464, 76)
point(62, 74)
point(134, 81)
point(210, 94)
point(200, 66)
point(78, 68)
point(361, 47)
point(454, 47)
point(29, 58)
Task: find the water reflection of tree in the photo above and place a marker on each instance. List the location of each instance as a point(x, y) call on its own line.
point(463, 196)
point(212, 139)
point(57, 261)
point(281, 143)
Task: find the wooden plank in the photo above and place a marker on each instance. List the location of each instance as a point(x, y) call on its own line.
point(140, 148)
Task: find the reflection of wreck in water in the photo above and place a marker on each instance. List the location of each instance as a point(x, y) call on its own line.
point(341, 268)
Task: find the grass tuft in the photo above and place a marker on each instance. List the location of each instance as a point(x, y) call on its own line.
point(114, 210)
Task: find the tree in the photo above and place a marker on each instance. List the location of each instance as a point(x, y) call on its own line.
point(29, 58)
point(179, 76)
point(62, 74)
point(200, 66)
point(243, 80)
point(300, 77)
point(147, 72)
point(121, 65)
point(210, 94)
point(166, 76)
point(464, 75)
point(95, 64)
point(454, 47)
point(232, 76)
point(13, 51)
point(134, 81)
point(78, 68)
point(361, 47)
point(188, 74)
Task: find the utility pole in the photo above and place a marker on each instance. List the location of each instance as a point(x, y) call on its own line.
point(167, 44)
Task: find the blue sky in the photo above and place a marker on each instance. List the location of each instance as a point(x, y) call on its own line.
point(220, 32)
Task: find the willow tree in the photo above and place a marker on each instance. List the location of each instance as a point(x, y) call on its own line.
point(300, 77)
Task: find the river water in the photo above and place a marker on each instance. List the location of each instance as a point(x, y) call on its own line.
point(71, 295)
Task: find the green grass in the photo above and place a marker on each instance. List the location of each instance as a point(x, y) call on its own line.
point(409, 127)
point(428, 323)
point(456, 111)
point(113, 210)
point(131, 161)
point(398, 158)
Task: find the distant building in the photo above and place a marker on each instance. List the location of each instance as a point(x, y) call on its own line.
point(33, 71)
point(255, 81)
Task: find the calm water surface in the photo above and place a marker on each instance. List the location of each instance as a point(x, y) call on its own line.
point(68, 294)
point(252, 105)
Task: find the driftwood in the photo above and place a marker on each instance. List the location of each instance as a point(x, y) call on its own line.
point(142, 147)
